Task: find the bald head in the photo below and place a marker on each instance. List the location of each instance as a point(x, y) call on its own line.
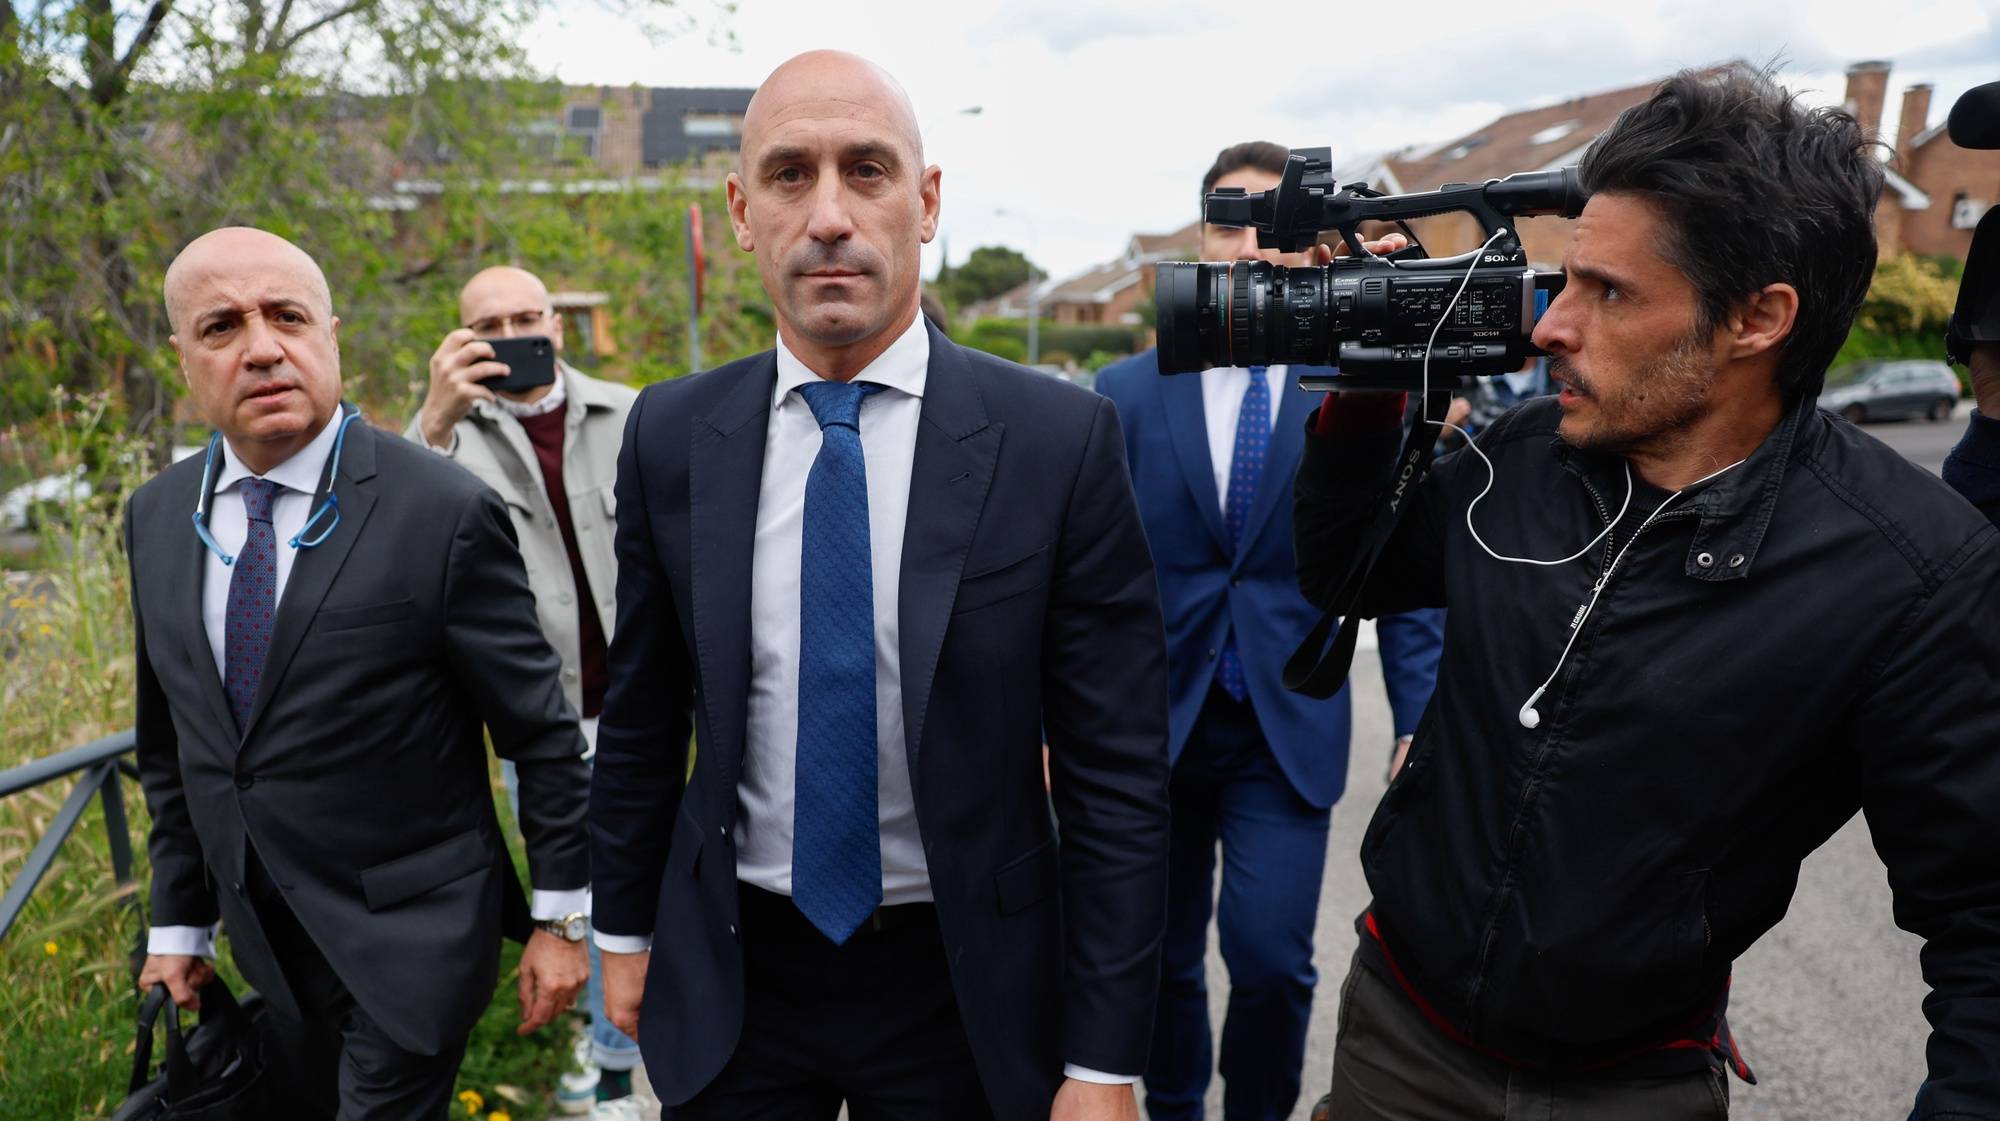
point(236, 251)
point(501, 284)
point(504, 301)
point(256, 335)
point(829, 84)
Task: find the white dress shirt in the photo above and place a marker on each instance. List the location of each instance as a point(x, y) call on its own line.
point(765, 794)
point(1222, 392)
point(298, 479)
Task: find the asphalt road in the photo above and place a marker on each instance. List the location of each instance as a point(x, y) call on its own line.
point(1921, 441)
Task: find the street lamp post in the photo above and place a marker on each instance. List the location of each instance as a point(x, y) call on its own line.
point(1034, 286)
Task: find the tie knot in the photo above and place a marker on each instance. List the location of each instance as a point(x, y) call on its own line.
point(257, 496)
point(837, 402)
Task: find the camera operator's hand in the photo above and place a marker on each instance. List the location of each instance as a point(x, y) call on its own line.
point(457, 368)
point(1323, 254)
point(1984, 364)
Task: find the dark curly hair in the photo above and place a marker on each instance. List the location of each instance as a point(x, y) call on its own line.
point(1755, 190)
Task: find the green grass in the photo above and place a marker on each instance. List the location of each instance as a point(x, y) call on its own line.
point(66, 1030)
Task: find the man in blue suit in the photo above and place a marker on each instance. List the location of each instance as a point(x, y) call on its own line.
point(1254, 765)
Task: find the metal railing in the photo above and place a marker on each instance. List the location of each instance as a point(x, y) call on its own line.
point(101, 763)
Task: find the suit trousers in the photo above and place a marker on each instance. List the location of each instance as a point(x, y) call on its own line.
point(1390, 1064)
point(338, 1064)
point(1227, 786)
point(872, 1023)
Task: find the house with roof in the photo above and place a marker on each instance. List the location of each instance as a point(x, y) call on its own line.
point(1939, 191)
point(1933, 191)
point(1110, 294)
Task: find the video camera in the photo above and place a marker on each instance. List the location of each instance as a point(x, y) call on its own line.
point(1373, 317)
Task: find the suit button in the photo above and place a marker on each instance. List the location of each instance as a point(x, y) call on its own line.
point(245, 780)
point(236, 886)
point(1211, 654)
point(1236, 581)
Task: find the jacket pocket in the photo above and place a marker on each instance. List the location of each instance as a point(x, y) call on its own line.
point(1027, 879)
point(1001, 582)
point(406, 877)
point(366, 615)
point(1691, 931)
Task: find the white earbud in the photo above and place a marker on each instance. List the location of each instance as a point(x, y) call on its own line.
point(1530, 719)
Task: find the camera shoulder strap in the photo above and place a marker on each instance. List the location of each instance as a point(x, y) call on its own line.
point(1313, 669)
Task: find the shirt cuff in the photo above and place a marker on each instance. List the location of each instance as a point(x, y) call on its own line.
point(1085, 1074)
point(622, 943)
point(448, 449)
point(559, 904)
point(192, 941)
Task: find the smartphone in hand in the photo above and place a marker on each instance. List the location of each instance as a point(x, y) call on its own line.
point(530, 359)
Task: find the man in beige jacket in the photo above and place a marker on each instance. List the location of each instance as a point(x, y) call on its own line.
point(552, 453)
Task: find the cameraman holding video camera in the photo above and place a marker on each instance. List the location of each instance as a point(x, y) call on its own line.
point(1696, 624)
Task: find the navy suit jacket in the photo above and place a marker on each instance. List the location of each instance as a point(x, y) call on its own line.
point(1206, 589)
point(1973, 467)
point(1027, 602)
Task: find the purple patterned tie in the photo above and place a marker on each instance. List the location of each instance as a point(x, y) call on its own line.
point(253, 602)
point(1246, 469)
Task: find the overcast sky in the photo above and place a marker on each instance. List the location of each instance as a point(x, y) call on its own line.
point(1098, 117)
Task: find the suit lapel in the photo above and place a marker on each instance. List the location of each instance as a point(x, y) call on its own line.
point(188, 584)
point(725, 477)
point(1288, 442)
point(314, 569)
point(955, 455)
point(1187, 426)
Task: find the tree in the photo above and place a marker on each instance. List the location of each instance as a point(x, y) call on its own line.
point(127, 127)
point(988, 272)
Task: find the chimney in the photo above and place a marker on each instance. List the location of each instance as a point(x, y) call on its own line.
point(1916, 111)
point(1867, 89)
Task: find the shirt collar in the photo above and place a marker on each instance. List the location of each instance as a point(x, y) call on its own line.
point(904, 367)
point(547, 403)
point(302, 472)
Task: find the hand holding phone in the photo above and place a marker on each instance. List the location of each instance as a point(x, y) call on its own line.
point(530, 362)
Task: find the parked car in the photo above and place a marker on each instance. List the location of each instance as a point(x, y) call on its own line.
point(27, 506)
point(1884, 389)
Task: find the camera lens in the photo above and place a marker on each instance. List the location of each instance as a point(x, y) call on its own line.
point(1241, 313)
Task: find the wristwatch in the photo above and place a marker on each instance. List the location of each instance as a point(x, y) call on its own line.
point(570, 928)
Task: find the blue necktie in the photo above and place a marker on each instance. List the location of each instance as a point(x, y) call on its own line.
point(1246, 467)
point(836, 830)
point(253, 602)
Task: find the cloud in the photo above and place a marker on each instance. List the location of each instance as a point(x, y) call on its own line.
point(1065, 26)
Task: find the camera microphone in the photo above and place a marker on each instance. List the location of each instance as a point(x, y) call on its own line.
point(1975, 118)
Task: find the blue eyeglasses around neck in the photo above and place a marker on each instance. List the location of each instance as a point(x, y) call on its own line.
point(299, 540)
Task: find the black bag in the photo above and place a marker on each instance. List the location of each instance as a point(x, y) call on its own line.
point(212, 1073)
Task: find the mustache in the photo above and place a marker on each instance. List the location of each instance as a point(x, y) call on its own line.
point(814, 256)
point(1562, 370)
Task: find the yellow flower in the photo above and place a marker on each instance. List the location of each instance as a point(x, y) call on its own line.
point(51, 949)
point(472, 1102)
point(45, 630)
point(498, 1115)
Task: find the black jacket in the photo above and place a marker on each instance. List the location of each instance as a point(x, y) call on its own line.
point(1815, 632)
point(361, 778)
point(1027, 604)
